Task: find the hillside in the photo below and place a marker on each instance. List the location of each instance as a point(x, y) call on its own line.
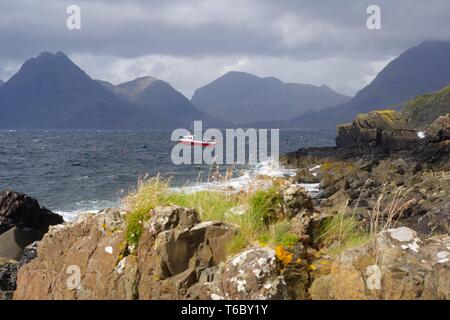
point(424, 109)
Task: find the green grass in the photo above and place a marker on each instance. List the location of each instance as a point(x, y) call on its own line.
point(258, 222)
point(139, 204)
point(265, 205)
point(278, 234)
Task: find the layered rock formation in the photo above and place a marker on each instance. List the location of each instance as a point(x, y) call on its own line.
point(378, 133)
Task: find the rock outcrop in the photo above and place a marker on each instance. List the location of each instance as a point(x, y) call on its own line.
point(375, 134)
point(90, 258)
point(21, 211)
point(397, 264)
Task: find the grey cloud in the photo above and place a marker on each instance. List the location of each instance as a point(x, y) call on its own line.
point(223, 32)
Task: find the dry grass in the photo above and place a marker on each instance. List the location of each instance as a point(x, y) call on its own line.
point(382, 220)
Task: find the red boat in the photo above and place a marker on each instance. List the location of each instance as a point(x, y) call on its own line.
point(189, 139)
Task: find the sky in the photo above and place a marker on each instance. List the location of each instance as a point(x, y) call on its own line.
point(192, 42)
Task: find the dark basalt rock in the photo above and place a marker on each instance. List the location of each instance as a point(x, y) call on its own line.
point(308, 156)
point(436, 150)
point(21, 211)
point(439, 130)
point(375, 135)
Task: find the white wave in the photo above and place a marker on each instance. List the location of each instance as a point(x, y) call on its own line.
point(243, 182)
point(85, 207)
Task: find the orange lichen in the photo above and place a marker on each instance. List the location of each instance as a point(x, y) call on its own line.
point(283, 255)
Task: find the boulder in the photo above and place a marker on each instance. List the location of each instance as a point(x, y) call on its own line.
point(295, 200)
point(251, 275)
point(439, 130)
point(21, 211)
point(397, 264)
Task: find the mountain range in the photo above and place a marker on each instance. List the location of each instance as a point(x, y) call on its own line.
point(242, 98)
point(419, 70)
point(51, 92)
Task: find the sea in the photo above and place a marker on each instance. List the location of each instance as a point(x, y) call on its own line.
point(71, 172)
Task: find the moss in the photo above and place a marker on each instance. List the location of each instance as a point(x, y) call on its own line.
point(390, 116)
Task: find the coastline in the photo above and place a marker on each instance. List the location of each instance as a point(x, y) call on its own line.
point(378, 208)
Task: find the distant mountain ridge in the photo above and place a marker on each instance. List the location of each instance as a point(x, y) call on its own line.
point(419, 70)
point(242, 97)
point(51, 92)
point(1, 82)
point(161, 99)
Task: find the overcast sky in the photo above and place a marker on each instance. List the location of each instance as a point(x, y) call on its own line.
point(190, 43)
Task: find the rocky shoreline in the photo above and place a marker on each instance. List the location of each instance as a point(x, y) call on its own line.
point(385, 185)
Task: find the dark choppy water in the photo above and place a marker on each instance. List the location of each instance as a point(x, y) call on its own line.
point(70, 171)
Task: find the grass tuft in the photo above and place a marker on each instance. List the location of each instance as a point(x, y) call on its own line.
point(341, 232)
